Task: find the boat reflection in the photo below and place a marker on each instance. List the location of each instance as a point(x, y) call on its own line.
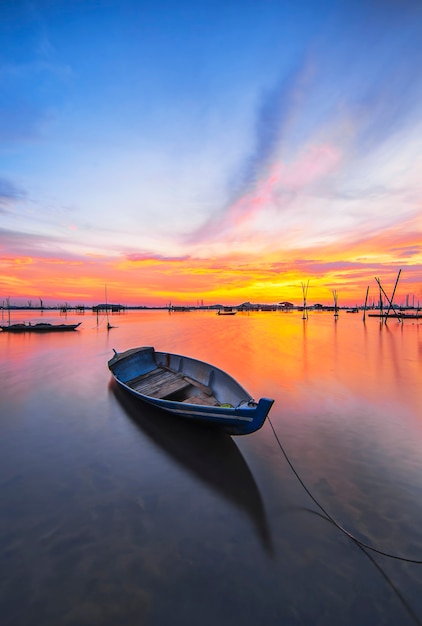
point(207, 452)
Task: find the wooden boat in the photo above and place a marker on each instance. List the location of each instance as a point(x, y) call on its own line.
point(41, 327)
point(226, 311)
point(393, 315)
point(188, 388)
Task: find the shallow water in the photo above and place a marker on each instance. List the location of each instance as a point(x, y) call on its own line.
point(112, 513)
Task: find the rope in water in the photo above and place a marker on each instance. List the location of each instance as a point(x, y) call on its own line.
point(325, 512)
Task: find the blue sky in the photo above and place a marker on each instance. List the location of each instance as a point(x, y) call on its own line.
point(209, 132)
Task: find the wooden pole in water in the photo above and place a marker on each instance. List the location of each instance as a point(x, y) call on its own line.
point(392, 296)
point(380, 297)
point(106, 305)
point(366, 302)
point(335, 295)
point(305, 294)
point(388, 299)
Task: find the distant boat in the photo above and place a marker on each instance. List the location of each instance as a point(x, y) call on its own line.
point(188, 388)
point(226, 311)
point(42, 327)
point(410, 316)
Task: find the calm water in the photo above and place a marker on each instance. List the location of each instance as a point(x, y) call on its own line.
point(112, 514)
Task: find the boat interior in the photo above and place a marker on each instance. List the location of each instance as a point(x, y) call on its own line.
point(168, 385)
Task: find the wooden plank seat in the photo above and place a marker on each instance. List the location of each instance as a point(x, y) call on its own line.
point(207, 391)
point(160, 383)
point(201, 398)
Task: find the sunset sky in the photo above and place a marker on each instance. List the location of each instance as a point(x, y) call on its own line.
point(224, 151)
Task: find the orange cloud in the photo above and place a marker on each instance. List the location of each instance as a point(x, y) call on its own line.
point(229, 280)
point(270, 274)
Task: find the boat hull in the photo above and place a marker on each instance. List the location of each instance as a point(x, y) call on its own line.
point(219, 399)
point(39, 328)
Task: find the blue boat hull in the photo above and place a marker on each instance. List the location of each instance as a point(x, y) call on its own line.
point(189, 389)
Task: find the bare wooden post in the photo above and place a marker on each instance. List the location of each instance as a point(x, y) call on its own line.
point(106, 305)
point(366, 302)
point(392, 296)
point(305, 295)
point(388, 299)
point(381, 291)
point(335, 295)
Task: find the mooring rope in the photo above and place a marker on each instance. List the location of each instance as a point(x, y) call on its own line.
point(331, 519)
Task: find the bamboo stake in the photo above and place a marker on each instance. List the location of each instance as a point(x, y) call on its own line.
point(381, 300)
point(305, 294)
point(366, 302)
point(392, 296)
point(335, 295)
point(388, 299)
point(106, 304)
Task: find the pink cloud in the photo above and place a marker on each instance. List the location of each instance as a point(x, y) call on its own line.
point(137, 257)
point(311, 167)
point(314, 164)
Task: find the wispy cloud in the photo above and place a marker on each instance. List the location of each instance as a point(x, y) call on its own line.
point(9, 194)
point(275, 192)
point(140, 257)
point(276, 111)
point(256, 174)
point(15, 244)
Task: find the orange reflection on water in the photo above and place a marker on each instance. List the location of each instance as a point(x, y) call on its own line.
point(89, 480)
point(320, 360)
